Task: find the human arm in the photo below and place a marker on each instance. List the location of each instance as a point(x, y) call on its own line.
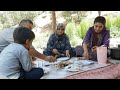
point(25, 60)
point(67, 53)
point(106, 39)
point(85, 54)
point(67, 47)
point(94, 48)
point(7, 34)
point(55, 51)
point(86, 41)
point(34, 53)
point(51, 43)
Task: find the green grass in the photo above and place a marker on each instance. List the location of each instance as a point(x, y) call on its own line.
point(84, 26)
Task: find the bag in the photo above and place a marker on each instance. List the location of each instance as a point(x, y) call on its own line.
point(102, 55)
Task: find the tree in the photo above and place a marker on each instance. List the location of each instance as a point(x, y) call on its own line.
point(11, 18)
point(53, 21)
point(99, 13)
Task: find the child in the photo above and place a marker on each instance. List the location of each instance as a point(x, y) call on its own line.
point(15, 62)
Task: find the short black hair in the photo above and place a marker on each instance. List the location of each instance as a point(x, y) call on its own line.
point(26, 20)
point(100, 19)
point(21, 34)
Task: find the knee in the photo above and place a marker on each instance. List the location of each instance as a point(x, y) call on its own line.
point(41, 72)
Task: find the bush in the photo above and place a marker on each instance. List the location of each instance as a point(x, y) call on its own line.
point(84, 26)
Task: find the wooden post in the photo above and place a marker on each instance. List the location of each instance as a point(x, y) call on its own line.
point(99, 13)
point(53, 21)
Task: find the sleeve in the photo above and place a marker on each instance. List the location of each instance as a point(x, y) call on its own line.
point(50, 44)
point(25, 61)
point(8, 34)
point(68, 45)
point(106, 39)
point(87, 36)
point(9, 38)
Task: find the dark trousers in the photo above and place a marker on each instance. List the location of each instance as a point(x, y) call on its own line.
point(34, 73)
point(72, 53)
point(93, 55)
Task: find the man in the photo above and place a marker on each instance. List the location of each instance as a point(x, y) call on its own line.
point(6, 38)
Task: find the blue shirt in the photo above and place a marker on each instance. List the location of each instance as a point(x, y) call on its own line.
point(12, 59)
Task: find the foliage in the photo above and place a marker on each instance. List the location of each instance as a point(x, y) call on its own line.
point(114, 32)
point(84, 26)
point(76, 15)
point(10, 18)
point(108, 22)
point(116, 22)
point(71, 32)
point(113, 24)
point(70, 29)
point(40, 41)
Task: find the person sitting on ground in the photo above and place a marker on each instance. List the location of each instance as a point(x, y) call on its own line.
point(96, 36)
point(6, 38)
point(15, 61)
point(58, 44)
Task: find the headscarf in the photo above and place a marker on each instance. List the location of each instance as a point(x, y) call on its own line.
point(58, 27)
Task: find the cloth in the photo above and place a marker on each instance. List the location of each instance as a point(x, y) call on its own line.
point(108, 72)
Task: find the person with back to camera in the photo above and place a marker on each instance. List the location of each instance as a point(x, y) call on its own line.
point(15, 61)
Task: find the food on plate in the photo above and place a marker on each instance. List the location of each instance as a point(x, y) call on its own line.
point(62, 64)
point(74, 68)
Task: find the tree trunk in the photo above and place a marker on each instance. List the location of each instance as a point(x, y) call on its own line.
point(53, 21)
point(99, 13)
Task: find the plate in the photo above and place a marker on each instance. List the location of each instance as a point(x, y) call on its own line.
point(51, 63)
point(63, 59)
point(85, 62)
point(72, 68)
point(46, 70)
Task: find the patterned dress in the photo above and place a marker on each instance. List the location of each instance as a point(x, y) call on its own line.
point(61, 43)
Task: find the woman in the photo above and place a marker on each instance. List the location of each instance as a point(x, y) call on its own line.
point(96, 36)
point(58, 44)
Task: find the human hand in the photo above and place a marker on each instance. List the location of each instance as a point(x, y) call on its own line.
point(50, 58)
point(85, 55)
point(55, 51)
point(67, 53)
point(94, 48)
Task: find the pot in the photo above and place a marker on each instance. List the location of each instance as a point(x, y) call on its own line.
point(118, 45)
point(115, 53)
